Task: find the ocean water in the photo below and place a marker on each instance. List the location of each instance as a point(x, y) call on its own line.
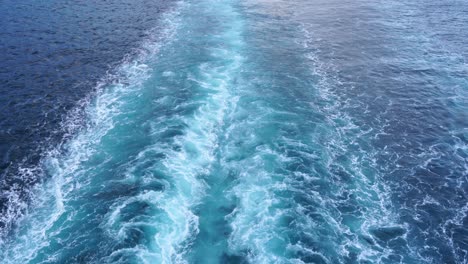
point(234, 131)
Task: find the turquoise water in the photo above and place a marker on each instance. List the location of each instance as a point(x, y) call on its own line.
point(260, 132)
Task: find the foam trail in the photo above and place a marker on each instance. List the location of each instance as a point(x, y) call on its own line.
point(219, 75)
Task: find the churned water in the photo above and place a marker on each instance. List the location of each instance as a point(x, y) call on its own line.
point(226, 131)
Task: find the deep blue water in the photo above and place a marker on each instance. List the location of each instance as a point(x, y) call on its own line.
point(53, 55)
point(234, 131)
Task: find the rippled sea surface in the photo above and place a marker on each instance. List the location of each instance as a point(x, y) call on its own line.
point(234, 131)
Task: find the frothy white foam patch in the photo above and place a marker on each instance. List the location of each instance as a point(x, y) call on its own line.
point(186, 161)
point(193, 161)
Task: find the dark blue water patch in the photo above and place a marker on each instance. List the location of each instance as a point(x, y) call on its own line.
point(52, 55)
point(401, 78)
